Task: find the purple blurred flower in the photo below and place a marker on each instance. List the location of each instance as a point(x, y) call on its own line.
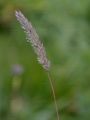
point(17, 69)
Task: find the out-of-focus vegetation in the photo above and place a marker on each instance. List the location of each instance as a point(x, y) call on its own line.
point(64, 28)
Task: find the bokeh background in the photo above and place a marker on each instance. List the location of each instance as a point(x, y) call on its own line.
point(64, 28)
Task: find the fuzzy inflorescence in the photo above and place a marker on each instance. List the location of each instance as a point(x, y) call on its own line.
point(33, 38)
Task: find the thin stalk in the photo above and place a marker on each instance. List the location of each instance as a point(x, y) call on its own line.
point(54, 95)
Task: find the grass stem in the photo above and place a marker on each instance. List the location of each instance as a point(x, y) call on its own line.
point(54, 95)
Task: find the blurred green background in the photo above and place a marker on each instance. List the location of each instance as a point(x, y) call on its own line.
point(64, 28)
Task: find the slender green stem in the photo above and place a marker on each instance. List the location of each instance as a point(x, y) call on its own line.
point(54, 96)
